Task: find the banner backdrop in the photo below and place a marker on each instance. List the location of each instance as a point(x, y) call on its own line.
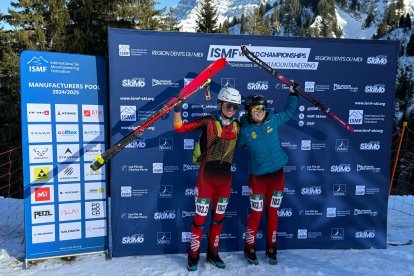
point(336, 181)
point(63, 103)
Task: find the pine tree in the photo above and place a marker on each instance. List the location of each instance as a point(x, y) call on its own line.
point(258, 26)
point(369, 19)
point(242, 24)
point(400, 4)
point(408, 21)
point(392, 16)
point(410, 46)
point(206, 17)
point(170, 23)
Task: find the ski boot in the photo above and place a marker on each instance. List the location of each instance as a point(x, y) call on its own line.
point(215, 259)
point(271, 254)
point(250, 255)
point(192, 263)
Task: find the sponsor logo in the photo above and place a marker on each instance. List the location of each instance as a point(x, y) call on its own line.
point(70, 231)
point(190, 167)
point(309, 86)
point(93, 132)
point(285, 212)
point(376, 88)
point(258, 85)
point(126, 191)
point(69, 211)
point(331, 212)
point(366, 234)
point(165, 191)
point(69, 192)
point(228, 82)
point(137, 144)
point(185, 214)
point(68, 153)
point(95, 190)
point(190, 192)
point(341, 145)
point(189, 144)
point(124, 50)
point(38, 65)
point(134, 239)
point(313, 190)
point(368, 168)
point(369, 212)
point(166, 144)
point(41, 154)
point(306, 145)
point(348, 87)
point(378, 60)
point(39, 133)
point(156, 82)
point(95, 209)
point(128, 113)
point(95, 228)
point(185, 236)
point(356, 117)
point(337, 234)
point(360, 190)
point(42, 194)
point(41, 174)
point(67, 133)
point(163, 237)
point(157, 167)
point(372, 145)
point(44, 233)
point(38, 113)
point(168, 214)
point(302, 234)
point(342, 168)
point(66, 113)
point(90, 151)
point(70, 172)
point(92, 113)
point(135, 82)
point(339, 190)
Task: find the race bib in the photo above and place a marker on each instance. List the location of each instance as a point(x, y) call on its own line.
point(221, 205)
point(276, 199)
point(256, 202)
point(202, 205)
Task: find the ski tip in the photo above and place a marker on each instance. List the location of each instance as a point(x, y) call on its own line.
point(97, 163)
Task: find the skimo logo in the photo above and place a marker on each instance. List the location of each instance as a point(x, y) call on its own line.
point(313, 190)
point(285, 212)
point(135, 82)
point(366, 234)
point(170, 214)
point(134, 239)
point(258, 85)
point(376, 88)
point(378, 60)
point(372, 145)
point(341, 168)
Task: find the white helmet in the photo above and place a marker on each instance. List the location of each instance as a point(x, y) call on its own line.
point(228, 94)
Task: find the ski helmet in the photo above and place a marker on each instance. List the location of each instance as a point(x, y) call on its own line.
point(228, 94)
point(254, 100)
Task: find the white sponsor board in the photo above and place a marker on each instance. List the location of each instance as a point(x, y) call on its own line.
point(93, 133)
point(66, 113)
point(70, 231)
point(39, 133)
point(95, 228)
point(69, 192)
point(40, 154)
point(43, 233)
point(38, 113)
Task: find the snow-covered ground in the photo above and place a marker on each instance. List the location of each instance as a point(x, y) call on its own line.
point(396, 260)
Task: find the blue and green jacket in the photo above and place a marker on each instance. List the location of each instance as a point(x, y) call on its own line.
point(262, 141)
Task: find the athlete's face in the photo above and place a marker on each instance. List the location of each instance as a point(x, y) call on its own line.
point(228, 109)
point(258, 113)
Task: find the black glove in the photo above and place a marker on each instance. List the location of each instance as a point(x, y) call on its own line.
point(179, 106)
point(293, 86)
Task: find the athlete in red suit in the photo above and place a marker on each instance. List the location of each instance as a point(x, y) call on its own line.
point(214, 176)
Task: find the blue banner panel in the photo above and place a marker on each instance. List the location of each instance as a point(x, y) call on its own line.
point(336, 181)
point(63, 103)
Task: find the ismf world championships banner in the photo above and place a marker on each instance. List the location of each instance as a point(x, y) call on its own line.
point(336, 181)
point(63, 104)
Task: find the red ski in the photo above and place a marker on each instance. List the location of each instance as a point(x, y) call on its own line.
point(252, 57)
point(197, 83)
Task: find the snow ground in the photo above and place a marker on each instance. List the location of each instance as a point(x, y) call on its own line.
point(395, 260)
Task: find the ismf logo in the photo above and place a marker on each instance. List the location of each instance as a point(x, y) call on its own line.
point(41, 174)
point(38, 65)
point(356, 117)
point(128, 113)
point(123, 50)
point(42, 194)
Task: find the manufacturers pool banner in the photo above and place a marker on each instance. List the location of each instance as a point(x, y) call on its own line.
point(336, 181)
point(63, 111)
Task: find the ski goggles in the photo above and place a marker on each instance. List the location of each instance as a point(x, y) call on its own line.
point(230, 106)
point(258, 108)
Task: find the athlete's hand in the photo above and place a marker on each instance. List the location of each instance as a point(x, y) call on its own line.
point(293, 86)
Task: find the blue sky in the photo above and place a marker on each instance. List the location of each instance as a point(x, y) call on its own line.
point(4, 4)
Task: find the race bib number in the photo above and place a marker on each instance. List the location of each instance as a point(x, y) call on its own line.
point(222, 205)
point(256, 202)
point(276, 199)
point(202, 205)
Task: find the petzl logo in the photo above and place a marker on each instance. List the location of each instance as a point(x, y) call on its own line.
point(356, 117)
point(38, 65)
point(128, 113)
point(123, 50)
